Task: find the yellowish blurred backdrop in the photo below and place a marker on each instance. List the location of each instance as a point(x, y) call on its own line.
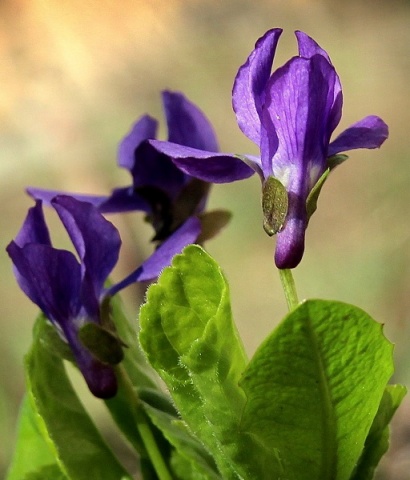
point(76, 74)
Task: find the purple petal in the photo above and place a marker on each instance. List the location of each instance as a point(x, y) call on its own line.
point(143, 129)
point(269, 147)
point(51, 278)
point(336, 110)
point(34, 229)
point(208, 166)
point(307, 49)
point(96, 240)
point(100, 378)
point(187, 125)
point(370, 132)
point(123, 199)
point(248, 92)
point(298, 109)
point(46, 196)
point(298, 104)
point(153, 169)
point(290, 242)
point(163, 255)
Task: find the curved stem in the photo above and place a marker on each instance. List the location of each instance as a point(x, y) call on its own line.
point(143, 426)
point(289, 288)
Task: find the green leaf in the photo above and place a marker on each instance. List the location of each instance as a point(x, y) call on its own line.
point(274, 205)
point(143, 381)
point(158, 400)
point(302, 408)
point(139, 381)
point(52, 341)
point(377, 442)
point(190, 461)
point(313, 389)
point(189, 337)
point(31, 453)
point(75, 443)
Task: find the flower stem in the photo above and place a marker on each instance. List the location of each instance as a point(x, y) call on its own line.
point(289, 288)
point(142, 424)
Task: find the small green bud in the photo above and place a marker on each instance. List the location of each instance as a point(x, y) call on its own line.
point(274, 205)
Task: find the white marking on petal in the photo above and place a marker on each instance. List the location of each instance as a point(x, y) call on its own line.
point(314, 175)
point(283, 174)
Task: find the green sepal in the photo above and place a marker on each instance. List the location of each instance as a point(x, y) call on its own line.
point(336, 160)
point(311, 202)
point(187, 201)
point(102, 340)
point(212, 223)
point(274, 205)
point(168, 214)
point(103, 344)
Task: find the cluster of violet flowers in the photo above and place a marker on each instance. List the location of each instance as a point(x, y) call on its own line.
point(289, 114)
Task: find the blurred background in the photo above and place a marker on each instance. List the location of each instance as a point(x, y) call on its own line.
point(76, 74)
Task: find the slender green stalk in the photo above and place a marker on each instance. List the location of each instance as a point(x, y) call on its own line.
point(289, 288)
point(143, 426)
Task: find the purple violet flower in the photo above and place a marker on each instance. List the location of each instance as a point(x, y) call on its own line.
point(290, 114)
point(159, 188)
point(70, 292)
